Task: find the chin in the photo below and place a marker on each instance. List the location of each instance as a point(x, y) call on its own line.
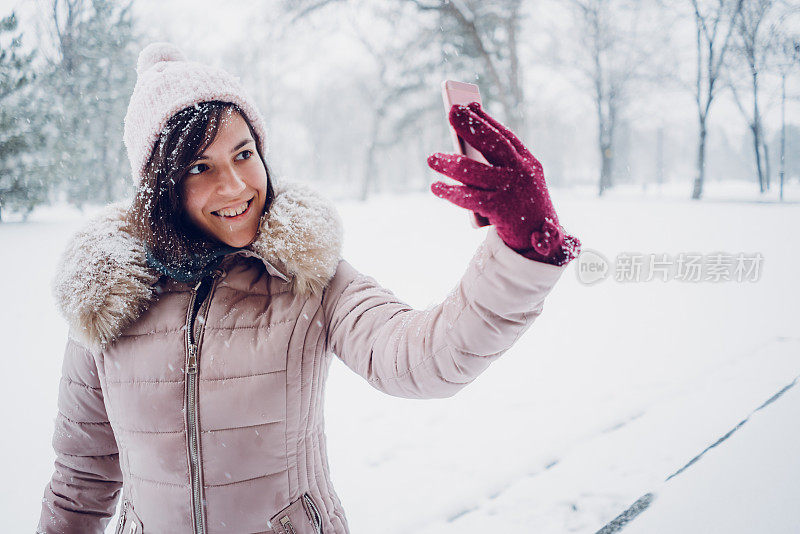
point(239, 242)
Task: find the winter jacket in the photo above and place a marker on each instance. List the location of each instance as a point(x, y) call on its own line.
point(203, 405)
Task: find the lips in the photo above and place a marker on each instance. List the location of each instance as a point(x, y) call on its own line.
point(234, 212)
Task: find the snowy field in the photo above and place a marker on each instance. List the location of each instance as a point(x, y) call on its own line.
point(615, 387)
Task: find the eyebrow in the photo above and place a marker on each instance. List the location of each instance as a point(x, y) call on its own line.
point(234, 149)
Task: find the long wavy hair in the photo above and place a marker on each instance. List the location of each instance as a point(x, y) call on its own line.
point(157, 216)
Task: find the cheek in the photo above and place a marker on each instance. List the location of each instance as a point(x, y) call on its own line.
point(193, 200)
point(257, 176)
point(257, 182)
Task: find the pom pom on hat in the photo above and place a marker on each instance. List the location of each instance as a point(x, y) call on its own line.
point(155, 53)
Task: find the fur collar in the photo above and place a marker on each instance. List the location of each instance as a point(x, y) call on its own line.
point(103, 282)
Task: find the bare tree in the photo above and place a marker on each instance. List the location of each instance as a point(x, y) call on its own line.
point(785, 60)
point(714, 21)
point(751, 48)
point(486, 32)
point(613, 58)
point(391, 83)
point(424, 42)
point(391, 100)
point(490, 35)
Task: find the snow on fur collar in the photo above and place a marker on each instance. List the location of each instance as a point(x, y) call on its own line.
point(103, 282)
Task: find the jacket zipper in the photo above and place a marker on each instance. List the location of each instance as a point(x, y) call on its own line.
point(316, 518)
point(193, 354)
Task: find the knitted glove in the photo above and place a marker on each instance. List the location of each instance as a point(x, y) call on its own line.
point(511, 192)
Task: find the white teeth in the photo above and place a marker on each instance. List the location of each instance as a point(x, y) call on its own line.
point(232, 212)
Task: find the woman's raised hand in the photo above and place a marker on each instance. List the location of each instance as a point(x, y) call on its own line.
point(510, 192)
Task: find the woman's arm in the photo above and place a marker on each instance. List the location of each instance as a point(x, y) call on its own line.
point(434, 353)
point(83, 491)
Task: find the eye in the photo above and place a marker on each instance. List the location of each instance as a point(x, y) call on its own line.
point(248, 152)
point(190, 171)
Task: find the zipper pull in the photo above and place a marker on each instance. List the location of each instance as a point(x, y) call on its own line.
point(192, 359)
point(287, 525)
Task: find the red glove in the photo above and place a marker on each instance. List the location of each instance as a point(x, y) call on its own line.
point(511, 192)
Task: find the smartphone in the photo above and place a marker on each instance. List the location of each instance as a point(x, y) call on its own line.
point(463, 93)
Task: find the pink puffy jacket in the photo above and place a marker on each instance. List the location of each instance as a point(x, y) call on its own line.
point(211, 421)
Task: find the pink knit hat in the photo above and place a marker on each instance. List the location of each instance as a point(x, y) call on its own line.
point(166, 83)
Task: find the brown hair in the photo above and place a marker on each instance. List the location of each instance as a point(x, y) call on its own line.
point(157, 216)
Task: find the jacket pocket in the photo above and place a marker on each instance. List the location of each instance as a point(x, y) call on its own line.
point(129, 522)
point(300, 517)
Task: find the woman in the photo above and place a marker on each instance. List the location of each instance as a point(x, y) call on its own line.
point(203, 317)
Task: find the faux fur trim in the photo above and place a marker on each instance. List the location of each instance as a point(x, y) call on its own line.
point(301, 235)
point(103, 283)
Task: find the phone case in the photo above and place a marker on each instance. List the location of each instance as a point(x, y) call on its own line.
point(463, 93)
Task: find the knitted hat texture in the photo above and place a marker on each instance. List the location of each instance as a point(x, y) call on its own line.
point(166, 83)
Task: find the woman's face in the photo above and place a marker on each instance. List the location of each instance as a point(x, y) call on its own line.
point(224, 191)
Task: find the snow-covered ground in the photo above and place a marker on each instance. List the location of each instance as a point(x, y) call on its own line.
point(616, 386)
point(760, 495)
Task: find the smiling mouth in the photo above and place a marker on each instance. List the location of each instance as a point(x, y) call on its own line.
point(235, 212)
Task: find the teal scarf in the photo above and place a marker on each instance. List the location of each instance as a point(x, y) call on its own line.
point(194, 268)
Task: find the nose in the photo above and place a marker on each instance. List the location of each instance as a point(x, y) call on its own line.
point(231, 184)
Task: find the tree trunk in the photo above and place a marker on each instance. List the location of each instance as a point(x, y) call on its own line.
point(783, 131)
point(660, 156)
point(756, 127)
point(495, 78)
point(765, 149)
point(108, 176)
point(757, 149)
point(517, 120)
point(699, 180)
point(607, 155)
point(370, 170)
